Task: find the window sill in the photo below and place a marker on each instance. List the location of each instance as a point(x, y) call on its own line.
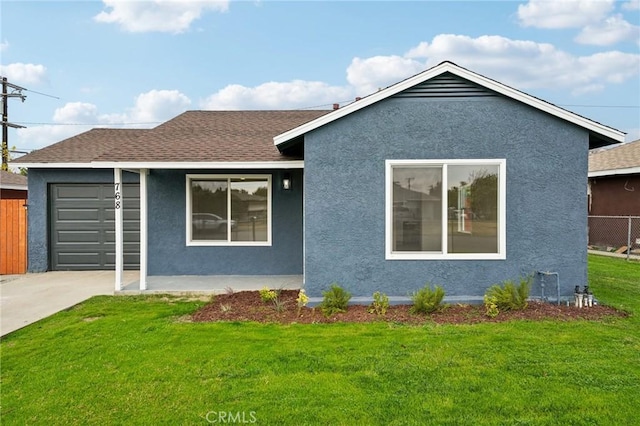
point(228, 243)
point(442, 256)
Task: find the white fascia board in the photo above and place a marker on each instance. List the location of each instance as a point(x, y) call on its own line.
point(298, 164)
point(54, 165)
point(14, 187)
point(598, 128)
point(612, 172)
point(547, 107)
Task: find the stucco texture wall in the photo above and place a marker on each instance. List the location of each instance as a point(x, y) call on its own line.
point(170, 255)
point(546, 161)
point(38, 216)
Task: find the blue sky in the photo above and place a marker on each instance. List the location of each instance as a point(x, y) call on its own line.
point(138, 63)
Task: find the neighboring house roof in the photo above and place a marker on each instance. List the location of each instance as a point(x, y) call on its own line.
point(10, 180)
point(194, 138)
point(599, 135)
point(620, 160)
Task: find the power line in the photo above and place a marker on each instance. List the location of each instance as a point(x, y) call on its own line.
point(40, 93)
point(600, 106)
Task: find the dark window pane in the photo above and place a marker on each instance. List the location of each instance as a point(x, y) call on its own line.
point(209, 210)
point(417, 208)
point(473, 209)
point(249, 210)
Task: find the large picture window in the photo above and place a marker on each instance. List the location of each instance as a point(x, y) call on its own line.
point(228, 210)
point(453, 209)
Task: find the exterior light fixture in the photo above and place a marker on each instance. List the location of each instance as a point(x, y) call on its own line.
point(286, 182)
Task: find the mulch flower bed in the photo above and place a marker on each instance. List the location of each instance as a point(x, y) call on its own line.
point(247, 306)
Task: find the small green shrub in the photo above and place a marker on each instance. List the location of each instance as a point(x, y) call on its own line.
point(267, 295)
point(509, 296)
point(380, 304)
point(335, 300)
point(490, 303)
point(426, 300)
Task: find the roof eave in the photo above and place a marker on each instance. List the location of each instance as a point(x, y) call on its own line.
point(613, 172)
point(10, 186)
point(291, 164)
point(607, 133)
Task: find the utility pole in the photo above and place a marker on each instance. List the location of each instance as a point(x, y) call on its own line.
point(16, 92)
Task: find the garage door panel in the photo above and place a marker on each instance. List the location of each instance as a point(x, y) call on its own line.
point(85, 236)
point(79, 260)
point(82, 226)
point(75, 215)
point(78, 191)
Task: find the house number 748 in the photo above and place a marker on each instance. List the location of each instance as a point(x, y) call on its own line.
point(117, 196)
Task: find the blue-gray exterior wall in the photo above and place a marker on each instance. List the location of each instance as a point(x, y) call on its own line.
point(38, 211)
point(546, 160)
point(169, 254)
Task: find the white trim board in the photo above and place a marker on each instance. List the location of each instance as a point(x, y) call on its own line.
point(442, 68)
point(613, 172)
point(192, 165)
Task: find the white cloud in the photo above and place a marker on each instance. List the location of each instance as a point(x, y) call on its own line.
point(563, 13)
point(370, 74)
point(631, 5)
point(160, 15)
point(612, 30)
point(157, 105)
point(19, 73)
point(527, 64)
point(277, 95)
point(4, 45)
point(518, 63)
point(76, 113)
point(149, 109)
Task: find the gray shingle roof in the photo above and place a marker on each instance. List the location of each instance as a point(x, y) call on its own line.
point(215, 136)
point(194, 136)
point(623, 156)
point(84, 147)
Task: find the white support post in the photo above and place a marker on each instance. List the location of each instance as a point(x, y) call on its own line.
point(143, 229)
point(118, 207)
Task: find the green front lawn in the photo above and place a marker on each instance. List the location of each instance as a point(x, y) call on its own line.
point(135, 360)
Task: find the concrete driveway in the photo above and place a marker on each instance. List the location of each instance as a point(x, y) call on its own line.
point(28, 298)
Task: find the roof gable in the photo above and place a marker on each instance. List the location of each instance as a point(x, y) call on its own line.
point(434, 82)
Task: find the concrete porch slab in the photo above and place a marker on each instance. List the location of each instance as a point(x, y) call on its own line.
point(214, 284)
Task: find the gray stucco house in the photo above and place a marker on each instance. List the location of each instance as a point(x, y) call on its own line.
point(447, 177)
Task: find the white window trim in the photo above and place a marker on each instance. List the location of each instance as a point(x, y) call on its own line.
point(228, 243)
point(441, 255)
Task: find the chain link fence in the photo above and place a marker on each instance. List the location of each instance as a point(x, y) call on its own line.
point(615, 234)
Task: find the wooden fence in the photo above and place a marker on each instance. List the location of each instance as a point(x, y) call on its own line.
point(13, 236)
